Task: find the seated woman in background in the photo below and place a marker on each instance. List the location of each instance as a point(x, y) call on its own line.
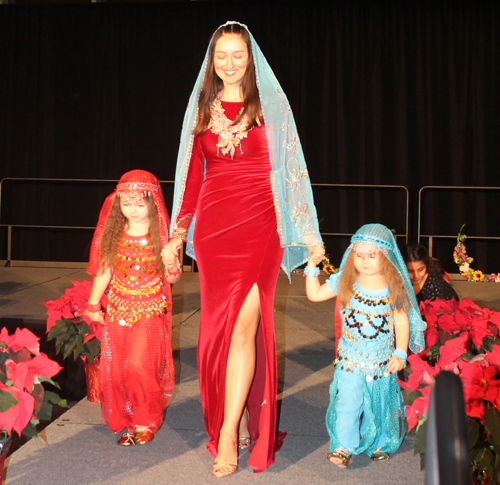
point(426, 277)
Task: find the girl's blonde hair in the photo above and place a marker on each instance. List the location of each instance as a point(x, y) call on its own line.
point(398, 297)
point(116, 223)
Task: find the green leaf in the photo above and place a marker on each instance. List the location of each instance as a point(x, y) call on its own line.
point(492, 424)
point(61, 328)
point(467, 356)
point(476, 454)
point(422, 461)
point(55, 399)
point(419, 446)
point(45, 412)
point(472, 432)
point(92, 349)
point(50, 381)
point(7, 401)
point(3, 377)
point(487, 461)
point(78, 350)
point(30, 429)
point(411, 397)
point(488, 344)
point(68, 348)
point(83, 328)
point(61, 341)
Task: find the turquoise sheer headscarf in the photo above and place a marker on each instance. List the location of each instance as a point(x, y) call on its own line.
point(382, 238)
point(296, 218)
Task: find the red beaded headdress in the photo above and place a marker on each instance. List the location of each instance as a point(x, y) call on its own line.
point(133, 185)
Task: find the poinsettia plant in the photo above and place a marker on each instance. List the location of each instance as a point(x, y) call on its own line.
point(75, 333)
point(23, 370)
point(462, 338)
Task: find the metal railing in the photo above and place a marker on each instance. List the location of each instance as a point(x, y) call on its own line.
point(364, 186)
point(10, 227)
point(431, 237)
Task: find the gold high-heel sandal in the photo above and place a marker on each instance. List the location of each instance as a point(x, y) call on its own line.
point(220, 469)
point(340, 457)
point(244, 442)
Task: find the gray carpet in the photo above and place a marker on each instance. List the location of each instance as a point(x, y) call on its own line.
point(78, 449)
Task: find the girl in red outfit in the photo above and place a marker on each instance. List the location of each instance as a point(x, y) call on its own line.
point(137, 372)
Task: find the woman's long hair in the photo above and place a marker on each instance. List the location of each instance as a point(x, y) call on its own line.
point(116, 223)
point(415, 253)
point(212, 83)
point(398, 297)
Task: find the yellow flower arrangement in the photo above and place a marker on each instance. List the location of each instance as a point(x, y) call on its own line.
point(328, 267)
point(463, 262)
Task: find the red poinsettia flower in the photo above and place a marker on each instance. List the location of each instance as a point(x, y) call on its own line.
point(22, 374)
point(493, 357)
point(452, 350)
point(478, 385)
point(72, 304)
point(96, 330)
point(418, 408)
point(22, 338)
point(421, 373)
point(436, 307)
point(19, 415)
point(431, 334)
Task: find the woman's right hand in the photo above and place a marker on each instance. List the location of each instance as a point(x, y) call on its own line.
point(170, 252)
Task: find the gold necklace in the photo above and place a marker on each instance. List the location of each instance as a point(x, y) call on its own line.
point(230, 135)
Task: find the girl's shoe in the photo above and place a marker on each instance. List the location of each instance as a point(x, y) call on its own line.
point(379, 455)
point(220, 469)
point(340, 457)
point(127, 439)
point(143, 435)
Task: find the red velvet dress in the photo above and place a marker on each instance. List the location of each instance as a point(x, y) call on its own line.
point(237, 245)
point(137, 371)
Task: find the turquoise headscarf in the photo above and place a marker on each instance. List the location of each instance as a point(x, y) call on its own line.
point(296, 218)
point(382, 238)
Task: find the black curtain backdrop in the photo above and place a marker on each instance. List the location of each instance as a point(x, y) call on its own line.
point(394, 93)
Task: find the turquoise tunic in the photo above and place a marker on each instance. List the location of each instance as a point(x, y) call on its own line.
point(361, 385)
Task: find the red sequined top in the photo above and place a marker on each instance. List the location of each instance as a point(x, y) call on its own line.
point(136, 287)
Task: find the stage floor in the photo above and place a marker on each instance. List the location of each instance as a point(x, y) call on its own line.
point(78, 448)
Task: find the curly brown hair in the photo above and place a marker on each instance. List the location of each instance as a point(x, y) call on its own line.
point(212, 83)
point(116, 223)
point(398, 297)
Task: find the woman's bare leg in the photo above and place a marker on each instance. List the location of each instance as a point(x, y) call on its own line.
point(239, 376)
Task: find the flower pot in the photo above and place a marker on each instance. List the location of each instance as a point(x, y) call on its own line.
point(93, 376)
point(3, 455)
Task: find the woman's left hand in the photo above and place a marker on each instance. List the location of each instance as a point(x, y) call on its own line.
point(316, 249)
point(395, 365)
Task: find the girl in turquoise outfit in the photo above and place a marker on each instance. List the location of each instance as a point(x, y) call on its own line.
point(380, 319)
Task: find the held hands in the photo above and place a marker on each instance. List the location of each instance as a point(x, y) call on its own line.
point(170, 257)
point(95, 316)
point(317, 253)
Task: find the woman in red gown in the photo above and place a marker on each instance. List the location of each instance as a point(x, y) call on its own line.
point(238, 249)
